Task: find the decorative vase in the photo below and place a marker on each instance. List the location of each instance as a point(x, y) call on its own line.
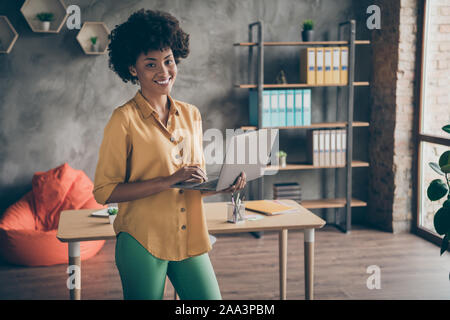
point(94, 47)
point(308, 35)
point(112, 217)
point(45, 25)
point(282, 161)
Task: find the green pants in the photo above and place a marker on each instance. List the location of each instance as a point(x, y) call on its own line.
point(143, 275)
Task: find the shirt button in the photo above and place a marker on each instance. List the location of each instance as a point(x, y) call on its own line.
point(181, 191)
point(183, 209)
point(172, 139)
point(183, 227)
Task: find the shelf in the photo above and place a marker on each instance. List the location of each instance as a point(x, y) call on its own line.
point(32, 7)
point(292, 166)
point(258, 73)
point(93, 29)
point(313, 126)
point(8, 35)
point(331, 203)
point(299, 43)
point(298, 85)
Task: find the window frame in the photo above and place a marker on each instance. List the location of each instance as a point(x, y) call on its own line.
point(420, 136)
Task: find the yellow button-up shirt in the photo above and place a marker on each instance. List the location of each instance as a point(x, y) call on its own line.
point(136, 146)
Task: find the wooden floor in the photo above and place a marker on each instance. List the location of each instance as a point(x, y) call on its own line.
point(247, 268)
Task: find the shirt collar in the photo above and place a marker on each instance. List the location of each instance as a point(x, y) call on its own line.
point(147, 109)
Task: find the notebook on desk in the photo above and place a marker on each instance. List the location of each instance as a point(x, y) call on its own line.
point(269, 207)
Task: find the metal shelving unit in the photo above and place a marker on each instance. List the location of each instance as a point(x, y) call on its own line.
point(348, 201)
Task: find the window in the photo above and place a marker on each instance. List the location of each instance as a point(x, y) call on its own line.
point(434, 108)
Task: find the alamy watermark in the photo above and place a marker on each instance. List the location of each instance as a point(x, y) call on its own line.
point(74, 279)
point(248, 148)
point(374, 21)
point(74, 18)
point(374, 280)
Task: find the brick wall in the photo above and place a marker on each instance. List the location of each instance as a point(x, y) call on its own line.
point(405, 103)
point(392, 116)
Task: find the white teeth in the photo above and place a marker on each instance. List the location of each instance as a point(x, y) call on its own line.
point(163, 82)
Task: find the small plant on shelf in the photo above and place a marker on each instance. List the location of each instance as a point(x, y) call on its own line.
point(94, 44)
point(308, 30)
point(281, 77)
point(282, 158)
point(112, 213)
point(439, 189)
point(45, 18)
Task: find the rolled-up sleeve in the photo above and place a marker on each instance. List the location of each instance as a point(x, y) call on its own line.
point(198, 132)
point(112, 160)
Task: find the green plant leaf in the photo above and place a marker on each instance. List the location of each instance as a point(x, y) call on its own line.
point(441, 221)
point(112, 211)
point(444, 245)
point(308, 25)
point(45, 16)
point(446, 203)
point(446, 128)
point(444, 161)
point(436, 168)
point(437, 189)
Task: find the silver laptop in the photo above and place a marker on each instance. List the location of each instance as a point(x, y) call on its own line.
point(248, 152)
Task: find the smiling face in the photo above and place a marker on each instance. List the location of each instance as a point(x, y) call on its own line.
point(156, 71)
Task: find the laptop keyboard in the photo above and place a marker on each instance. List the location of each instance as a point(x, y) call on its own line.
point(210, 184)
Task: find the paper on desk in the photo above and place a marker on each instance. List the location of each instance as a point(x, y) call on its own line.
point(253, 216)
point(100, 213)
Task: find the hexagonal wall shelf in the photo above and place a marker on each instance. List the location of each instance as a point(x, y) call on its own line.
point(90, 30)
point(8, 35)
point(31, 8)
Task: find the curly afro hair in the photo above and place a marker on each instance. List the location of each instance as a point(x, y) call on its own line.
point(145, 30)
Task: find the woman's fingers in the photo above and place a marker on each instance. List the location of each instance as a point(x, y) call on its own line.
point(241, 181)
point(244, 180)
point(197, 170)
point(202, 174)
point(197, 177)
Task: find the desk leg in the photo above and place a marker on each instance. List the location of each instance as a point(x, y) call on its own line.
point(282, 242)
point(74, 270)
point(309, 264)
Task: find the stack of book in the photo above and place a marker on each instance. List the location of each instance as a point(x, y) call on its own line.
point(327, 148)
point(281, 108)
point(287, 190)
point(324, 66)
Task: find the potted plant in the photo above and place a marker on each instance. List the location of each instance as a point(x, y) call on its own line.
point(308, 30)
point(439, 189)
point(45, 18)
point(282, 158)
point(281, 77)
point(94, 44)
point(112, 213)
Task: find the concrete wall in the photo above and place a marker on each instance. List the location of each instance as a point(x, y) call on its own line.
point(55, 101)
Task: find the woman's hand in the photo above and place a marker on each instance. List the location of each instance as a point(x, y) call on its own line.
point(192, 173)
point(238, 185)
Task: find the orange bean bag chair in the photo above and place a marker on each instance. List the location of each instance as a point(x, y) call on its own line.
point(28, 227)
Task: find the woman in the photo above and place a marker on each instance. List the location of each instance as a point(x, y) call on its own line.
point(150, 143)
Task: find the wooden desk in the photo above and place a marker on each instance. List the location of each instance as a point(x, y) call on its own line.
point(77, 225)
